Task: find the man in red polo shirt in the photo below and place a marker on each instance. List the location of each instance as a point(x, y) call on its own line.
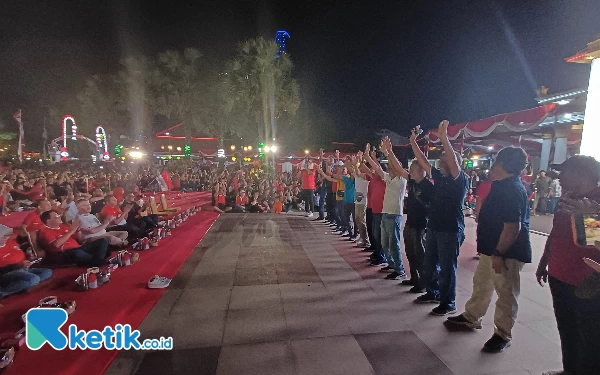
point(308, 185)
point(58, 238)
point(32, 221)
point(563, 266)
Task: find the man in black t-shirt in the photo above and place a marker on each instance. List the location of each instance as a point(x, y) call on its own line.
point(445, 225)
point(420, 190)
point(504, 245)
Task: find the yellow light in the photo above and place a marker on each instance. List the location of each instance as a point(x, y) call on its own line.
point(233, 158)
point(178, 148)
point(232, 147)
point(475, 157)
point(170, 147)
point(179, 157)
point(307, 152)
point(249, 148)
point(245, 148)
point(136, 154)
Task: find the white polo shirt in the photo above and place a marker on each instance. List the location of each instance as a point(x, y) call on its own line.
point(393, 199)
point(89, 221)
point(361, 187)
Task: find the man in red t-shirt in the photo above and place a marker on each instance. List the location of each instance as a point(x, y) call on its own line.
point(375, 195)
point(575, 287)
point(58, 239)
point(308, 185)
point(32, 221)
point(15, 274)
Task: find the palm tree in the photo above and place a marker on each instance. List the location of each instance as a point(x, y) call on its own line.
point(260, 85)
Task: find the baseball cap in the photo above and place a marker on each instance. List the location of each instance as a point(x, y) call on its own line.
point(587, 165)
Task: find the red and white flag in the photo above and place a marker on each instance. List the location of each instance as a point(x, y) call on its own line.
point(17, 116)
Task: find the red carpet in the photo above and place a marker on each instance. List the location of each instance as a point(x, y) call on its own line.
point(125, 299)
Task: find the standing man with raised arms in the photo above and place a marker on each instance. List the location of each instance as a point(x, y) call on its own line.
point(446, 224)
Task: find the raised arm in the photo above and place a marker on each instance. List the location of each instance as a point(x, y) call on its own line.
point(394, 162)
point(361, 165)
point(373, 163)
point(419, 155)
point(324, 175)
point(442, 134)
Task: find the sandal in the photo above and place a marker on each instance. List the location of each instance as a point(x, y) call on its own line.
point(7, 356)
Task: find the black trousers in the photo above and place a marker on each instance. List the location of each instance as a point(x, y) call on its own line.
point(330, 206)
point(369, 216)
point(309, 200)
point(578, 323)
point(414, 245)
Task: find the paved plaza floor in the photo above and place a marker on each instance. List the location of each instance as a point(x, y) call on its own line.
point(278, 294)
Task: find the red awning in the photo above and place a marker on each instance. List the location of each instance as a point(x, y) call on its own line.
point(509, 122)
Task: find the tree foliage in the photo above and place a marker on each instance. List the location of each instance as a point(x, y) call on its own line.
point(252, 96)
point(260, 86)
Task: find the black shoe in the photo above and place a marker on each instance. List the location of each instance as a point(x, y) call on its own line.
point(416, 289)
point(443, 310)
point(410, 282)
point(496, 344)
point(395, 276)
point(460, 320)
point(427, 298)
point(387, 268)
point(367, 250)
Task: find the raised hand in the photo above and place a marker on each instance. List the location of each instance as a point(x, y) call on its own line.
point(442, 130)
point(368, 149)
point(360, 156)
point(386, 144)
point(415, 133)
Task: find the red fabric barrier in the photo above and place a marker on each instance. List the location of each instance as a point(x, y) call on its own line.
point(124, 300)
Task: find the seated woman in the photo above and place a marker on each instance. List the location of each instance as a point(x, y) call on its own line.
point(15, 274)
point(59, 240)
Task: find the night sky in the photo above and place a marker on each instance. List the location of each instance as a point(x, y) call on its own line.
point(363, 64)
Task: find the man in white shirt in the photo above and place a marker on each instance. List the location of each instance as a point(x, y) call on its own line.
point(91, 228)
point(360, 202)
point(393, 204)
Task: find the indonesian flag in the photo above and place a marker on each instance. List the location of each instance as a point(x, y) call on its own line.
point(167, 178)
point(17, 116)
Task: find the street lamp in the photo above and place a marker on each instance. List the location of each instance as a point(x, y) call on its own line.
point(232, 147)
point(306, 152)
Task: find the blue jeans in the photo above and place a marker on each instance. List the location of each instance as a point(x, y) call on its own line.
point(338, 210)
point(22, 279)
point(376, 239)
point(439, 269)
point(390, 241)
point(348, 212)
point(90, 254)
point(322, 198)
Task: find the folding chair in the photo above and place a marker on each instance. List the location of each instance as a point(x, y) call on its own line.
point(165, 206)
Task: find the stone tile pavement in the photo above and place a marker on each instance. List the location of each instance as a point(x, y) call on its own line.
point(278, 294)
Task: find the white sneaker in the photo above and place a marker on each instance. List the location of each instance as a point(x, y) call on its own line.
point(310, 214)
point(158, 282)
point(345, 233)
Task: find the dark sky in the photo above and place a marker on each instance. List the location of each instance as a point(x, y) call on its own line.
point(364, 64)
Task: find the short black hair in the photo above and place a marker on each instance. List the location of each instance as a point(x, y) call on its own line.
point(46, 216)
point(514, 160)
